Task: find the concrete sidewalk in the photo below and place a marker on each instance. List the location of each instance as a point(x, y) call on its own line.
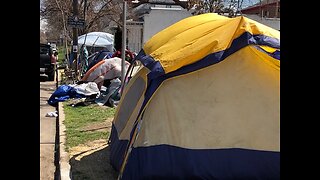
point(47, 132)
point(54, 161)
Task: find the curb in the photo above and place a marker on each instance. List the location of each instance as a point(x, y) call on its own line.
point(64, 156)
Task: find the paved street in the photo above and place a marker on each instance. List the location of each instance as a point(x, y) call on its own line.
point(47, 132)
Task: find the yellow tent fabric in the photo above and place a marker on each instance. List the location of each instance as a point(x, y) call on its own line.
point(195, 37)
point(228, 105)
point(205, 105)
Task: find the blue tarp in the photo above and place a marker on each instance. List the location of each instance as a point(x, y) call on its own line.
point(62, 93)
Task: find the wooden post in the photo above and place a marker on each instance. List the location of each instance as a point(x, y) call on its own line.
point(75, 37)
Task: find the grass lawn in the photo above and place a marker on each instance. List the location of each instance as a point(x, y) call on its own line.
point(77, 119)
point(62, 51)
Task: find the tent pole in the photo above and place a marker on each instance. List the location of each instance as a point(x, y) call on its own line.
point(123, 48)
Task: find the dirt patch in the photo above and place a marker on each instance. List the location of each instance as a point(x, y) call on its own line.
point(91, 161)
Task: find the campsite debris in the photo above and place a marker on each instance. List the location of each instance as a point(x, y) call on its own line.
point(111, 94)
point(82, 101)
point(87, 89)
point(63, 93)
point(86, 93)
point(52, 114)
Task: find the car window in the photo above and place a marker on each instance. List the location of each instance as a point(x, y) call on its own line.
point(44, 50)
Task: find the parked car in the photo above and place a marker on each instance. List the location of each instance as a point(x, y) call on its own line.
point(47, 61)
point(54, 47)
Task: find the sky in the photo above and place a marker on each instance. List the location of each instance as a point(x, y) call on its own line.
point(42, 24)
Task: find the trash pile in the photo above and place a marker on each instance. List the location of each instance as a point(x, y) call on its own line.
point(100, 84)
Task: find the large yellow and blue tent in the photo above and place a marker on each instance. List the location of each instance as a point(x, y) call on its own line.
point(205, 104)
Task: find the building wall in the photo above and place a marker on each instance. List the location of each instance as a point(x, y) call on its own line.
point(134, 36)
point(271, 22)
point(159, 19)
point(271, 10)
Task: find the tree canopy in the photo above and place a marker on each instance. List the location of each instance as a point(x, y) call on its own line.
point(100, 14)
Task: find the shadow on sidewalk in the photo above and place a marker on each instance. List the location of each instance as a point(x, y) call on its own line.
point(92, 165)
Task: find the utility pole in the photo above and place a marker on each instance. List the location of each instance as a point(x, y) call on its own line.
point(75, 36)
point(124, 38)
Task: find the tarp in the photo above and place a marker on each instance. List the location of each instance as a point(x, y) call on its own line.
point(63, 93)
point(206, 104)
point(105, 69)
point(97, 39)
point(100, 55)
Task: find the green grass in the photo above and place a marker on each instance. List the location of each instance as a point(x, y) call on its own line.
point(79, 117)
point(62, 51)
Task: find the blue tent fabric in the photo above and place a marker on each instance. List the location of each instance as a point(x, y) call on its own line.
point(233, 163)
point(117, 149)
point(63, 93)
point(103, 54)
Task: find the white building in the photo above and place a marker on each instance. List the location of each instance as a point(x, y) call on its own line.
point(153, 17)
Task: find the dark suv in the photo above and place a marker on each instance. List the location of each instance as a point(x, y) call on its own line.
point(47, 61)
